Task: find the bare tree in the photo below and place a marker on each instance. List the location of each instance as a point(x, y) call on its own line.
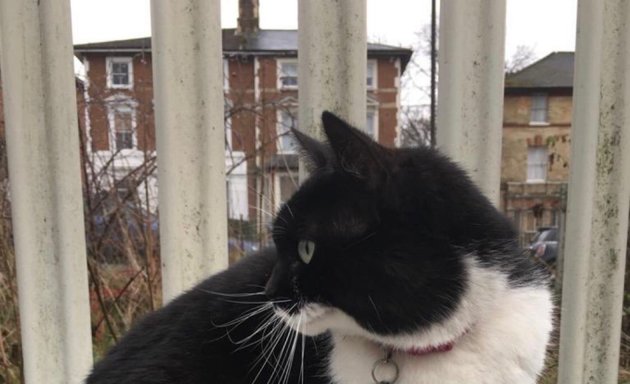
point(416, 126)
point(415, 113)
point(522, 57)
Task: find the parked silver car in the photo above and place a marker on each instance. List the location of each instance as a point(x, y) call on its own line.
point(544, 245)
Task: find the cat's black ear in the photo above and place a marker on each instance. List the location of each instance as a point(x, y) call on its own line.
point(315, 153)
point(354, 151)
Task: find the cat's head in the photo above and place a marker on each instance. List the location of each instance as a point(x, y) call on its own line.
point(375, 241)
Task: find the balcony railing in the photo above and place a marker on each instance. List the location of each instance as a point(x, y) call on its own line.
point(43, 151)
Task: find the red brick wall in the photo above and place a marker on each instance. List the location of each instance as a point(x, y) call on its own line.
point(386, 94)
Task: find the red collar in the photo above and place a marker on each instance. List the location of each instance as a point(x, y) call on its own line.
point(423, 351)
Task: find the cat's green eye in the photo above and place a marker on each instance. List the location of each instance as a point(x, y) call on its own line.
point(306, 249)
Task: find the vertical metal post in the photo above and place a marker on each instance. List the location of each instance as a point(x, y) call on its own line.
point(188, 71)
point(599, 190)
point(46, 199)
point(470, 107)
point(332, 46)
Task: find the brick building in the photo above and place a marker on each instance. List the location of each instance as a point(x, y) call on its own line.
point(260, 72)
point(536, 142)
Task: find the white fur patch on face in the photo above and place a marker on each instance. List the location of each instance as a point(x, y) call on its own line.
point(312, 319)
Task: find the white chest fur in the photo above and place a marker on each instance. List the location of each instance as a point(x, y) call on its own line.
point(506, 344)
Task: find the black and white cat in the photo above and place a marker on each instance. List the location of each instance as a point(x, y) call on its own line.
point(389, 266)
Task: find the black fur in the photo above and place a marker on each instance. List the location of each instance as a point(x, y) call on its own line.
point(392, 228)
point(192, 339)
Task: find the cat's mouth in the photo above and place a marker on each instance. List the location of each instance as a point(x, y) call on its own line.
point(309, 319)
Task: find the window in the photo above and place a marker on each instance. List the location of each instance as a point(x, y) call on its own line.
point(121, 123)
point(226, 74)
point(371, 74)
point(120, 72)
point(371, 123)
point(287, 74)
point(539, 109)
point(537, 164)
point(287, 119)
point(227, 120)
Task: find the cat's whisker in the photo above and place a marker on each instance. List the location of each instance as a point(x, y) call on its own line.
point(266, 322)
point(280, 358)
point(260, 194)
point(261, 210)
point(302, 366)
point(378, 314)
point(270, 358)
point(284, 354)
point(278, 230)
point(259, 293)
point(236, 322)
point(295, 340)
point(265, 301)
point(284, 349)
point(264, 335)
point(274, 360)
point(268, 214)
point(291, 352)
point(244, 316)
point(279, 330)
point(267, 352)
point(367, 237)
point(289, 209)
point(263, 358)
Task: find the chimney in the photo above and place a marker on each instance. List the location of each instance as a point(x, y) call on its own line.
point(247, 17)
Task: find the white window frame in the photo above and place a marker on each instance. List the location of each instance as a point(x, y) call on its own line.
point(111, 110)
point(374, 64)
point(227, 119)
point(119, 59)
point(531, 109)
point(280, 128)
point(280, 63)
point(532, 163)
point(226, 74)
point(373, 109)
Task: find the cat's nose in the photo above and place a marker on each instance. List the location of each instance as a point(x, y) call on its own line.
point(277, 286)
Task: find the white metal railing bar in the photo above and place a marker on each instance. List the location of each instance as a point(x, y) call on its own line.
point(47, 210)
point(599, 191)
point(188, 84)
point(470, 88)
point(332, 45)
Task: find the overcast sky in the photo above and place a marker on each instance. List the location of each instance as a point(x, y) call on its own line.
point(544, 25)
